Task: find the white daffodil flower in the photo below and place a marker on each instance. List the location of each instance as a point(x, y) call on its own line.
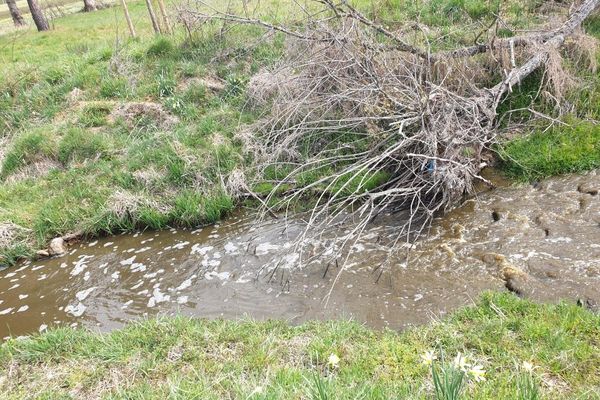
point(527, 366)
point(478, 373)
point(429, 357)
point(460, 362)
point(333, 360)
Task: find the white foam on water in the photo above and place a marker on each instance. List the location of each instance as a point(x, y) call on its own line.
point(289, 260)
point(4, 312)
point(10, 274)
point(559, 240)
point(42, 327)
point(16, 285)
point(92, 244)
point(115, 275)
point(80, 265)
point(182, 299)
point(224, 276)
point(38, 267)
point(210, 263)
point(82, 295)
point(42, 277)
point(108, 244)
point(158, 297)
point(138, 267)
point(128, 261)
point(23, 308)
point(143, 249)
point(126, 304)
point(180, 245)
point(358, 247)
point(244, 278)
point(230, 248)
point(23, 296)
point(199, 249)
point(137, 285)
point(265, 248)
point(75, 310)
point(186, 284)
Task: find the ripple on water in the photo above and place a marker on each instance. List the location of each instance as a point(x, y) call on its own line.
point(248, 267)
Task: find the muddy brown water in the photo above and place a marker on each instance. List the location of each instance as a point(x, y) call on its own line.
point(549, 232)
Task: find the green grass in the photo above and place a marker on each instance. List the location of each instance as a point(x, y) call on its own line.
point(561, 150)
point(182, 358)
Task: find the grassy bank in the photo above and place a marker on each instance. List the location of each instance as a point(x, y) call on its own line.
point(104, 134)
point(186, 358)
point(569, 144)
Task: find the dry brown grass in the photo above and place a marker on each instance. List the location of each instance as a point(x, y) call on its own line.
point(36, 169)
point(133, 112)
point(11, 233)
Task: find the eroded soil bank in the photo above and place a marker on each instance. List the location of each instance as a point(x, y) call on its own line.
point(541, 241)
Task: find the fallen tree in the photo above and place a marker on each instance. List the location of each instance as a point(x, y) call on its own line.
point(384, 124)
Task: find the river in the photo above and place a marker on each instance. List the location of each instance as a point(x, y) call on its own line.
point(541, 241)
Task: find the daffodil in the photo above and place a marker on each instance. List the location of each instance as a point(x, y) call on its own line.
point(477, 372)
point(333, 360)
point(460, 362)
point(527, 366)
point(429, 357)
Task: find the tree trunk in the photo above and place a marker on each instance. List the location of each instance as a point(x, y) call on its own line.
point(39, 19)
point(554, 41)
point(89, 5)
point(155, 24)
point(163, 12)
point(15, 13)
point(128, 18)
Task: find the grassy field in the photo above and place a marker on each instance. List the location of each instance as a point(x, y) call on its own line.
point(22, 4)
point(73, 158)
point(528, 351)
